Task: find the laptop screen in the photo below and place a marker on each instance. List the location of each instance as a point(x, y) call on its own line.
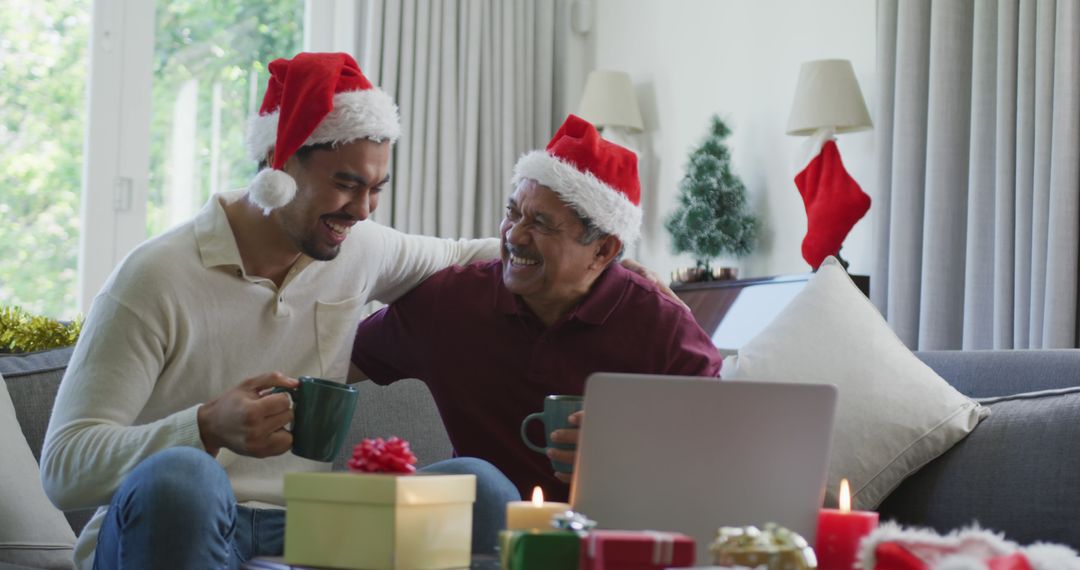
point(682, 454)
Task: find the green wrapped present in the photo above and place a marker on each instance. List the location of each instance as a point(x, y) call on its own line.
point(540, 550)
point(773, 548)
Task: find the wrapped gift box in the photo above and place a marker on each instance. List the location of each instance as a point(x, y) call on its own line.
point(540, 550)
point(636, 550)
point(771, 548)
point(379, 522)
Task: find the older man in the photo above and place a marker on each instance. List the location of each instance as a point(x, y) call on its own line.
point(493, 338)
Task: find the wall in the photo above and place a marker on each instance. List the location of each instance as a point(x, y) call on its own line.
point(740, 58)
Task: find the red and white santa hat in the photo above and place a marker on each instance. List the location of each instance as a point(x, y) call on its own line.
point(595, 177)
point(313, 98)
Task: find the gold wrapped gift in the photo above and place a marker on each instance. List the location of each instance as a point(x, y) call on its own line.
point(774, 548)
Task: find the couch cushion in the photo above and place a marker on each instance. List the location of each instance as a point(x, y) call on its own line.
point(15, 364)
point(33, 380)
point(1018, 473)
point(992, 373)
point(32, 531)
point(405, 409)
point(894, 413)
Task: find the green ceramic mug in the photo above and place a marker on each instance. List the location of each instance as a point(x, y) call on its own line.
point(322, 413)
point(556, 415)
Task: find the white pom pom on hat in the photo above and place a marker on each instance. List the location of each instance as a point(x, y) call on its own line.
point(314, 98)
point(272, 189)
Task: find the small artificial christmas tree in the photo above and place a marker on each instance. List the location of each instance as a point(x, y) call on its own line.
point(711, 219)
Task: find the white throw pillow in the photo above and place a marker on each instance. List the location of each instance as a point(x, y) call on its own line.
point(894, 413)
point(33, 532)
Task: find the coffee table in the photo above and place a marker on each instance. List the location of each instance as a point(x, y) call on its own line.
point(479, 562)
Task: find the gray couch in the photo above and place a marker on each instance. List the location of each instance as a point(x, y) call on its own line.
point(1018, 472)
point(405, 409)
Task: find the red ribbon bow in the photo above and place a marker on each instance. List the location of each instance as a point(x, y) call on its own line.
point(378, 456)
point(894, 556)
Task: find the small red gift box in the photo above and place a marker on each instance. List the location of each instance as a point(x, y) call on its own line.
point(636, 550)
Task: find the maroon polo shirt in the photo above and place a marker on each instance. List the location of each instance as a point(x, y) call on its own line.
point(489, 361)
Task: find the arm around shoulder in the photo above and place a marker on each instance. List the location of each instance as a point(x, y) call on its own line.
point(409, 259)
point(393, 343)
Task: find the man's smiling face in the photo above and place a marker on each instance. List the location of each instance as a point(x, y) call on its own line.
point(335, 189)
point(542, 257)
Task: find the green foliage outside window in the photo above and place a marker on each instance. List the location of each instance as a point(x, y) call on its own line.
point(227, 42)
point(44, 71)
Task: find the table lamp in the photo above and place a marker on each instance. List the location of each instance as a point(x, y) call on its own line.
point(827, 102)
point(609, 101)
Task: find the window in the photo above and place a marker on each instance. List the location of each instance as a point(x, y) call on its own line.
point(43, 63)
point(118, 118)
point(210, 74)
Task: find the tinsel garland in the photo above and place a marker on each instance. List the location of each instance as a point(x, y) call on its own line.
point(21, 331)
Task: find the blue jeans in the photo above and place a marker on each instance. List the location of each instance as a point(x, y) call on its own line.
point(177, 510)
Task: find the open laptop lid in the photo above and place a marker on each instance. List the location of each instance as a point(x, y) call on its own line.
point(690, 455)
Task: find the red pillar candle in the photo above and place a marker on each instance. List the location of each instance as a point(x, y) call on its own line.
point(840, 531)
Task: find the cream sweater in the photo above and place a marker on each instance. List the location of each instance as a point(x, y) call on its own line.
point(179, 322)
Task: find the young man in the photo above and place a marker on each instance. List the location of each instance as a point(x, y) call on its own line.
point(492, 339)
point(163, 420)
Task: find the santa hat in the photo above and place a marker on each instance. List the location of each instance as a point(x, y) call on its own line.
point(313, 98)
point(595, 177)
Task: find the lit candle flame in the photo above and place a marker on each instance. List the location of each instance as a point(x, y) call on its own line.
point(538, 496)
point(845, 496)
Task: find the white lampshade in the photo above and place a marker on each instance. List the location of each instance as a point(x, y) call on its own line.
point(828, 95)
point(609, 101)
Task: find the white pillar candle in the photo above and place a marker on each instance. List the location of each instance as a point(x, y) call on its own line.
point(534, 514)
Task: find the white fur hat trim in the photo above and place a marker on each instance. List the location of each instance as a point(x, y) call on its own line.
point(366, 114)
point(608, 208)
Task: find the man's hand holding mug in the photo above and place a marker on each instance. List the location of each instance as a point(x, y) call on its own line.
point(562, 418)
point(566, 436)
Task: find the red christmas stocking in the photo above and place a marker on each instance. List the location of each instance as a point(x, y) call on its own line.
point(834, 203)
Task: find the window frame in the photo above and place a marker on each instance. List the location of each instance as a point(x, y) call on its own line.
point(116, 152)
point(116, 155)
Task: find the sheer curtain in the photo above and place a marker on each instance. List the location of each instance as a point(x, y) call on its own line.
point(978, 191)
point(478, 83)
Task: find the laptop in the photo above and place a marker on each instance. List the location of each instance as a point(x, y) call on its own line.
point(690, 454)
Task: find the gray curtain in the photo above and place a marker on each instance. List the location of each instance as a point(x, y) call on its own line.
point(477, 85)
point(977, 201)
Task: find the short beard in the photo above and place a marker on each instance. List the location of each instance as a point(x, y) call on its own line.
point(307, 244)
point(309, 249)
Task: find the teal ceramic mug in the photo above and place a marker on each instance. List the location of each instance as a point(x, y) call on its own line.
point(556, 415)
point(322, 413)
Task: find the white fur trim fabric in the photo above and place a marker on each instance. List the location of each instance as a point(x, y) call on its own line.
point(272, 189)
point(608, 208)
point(367, 114)
point(965, 549)
point(811, 148)
point(1052, 557)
